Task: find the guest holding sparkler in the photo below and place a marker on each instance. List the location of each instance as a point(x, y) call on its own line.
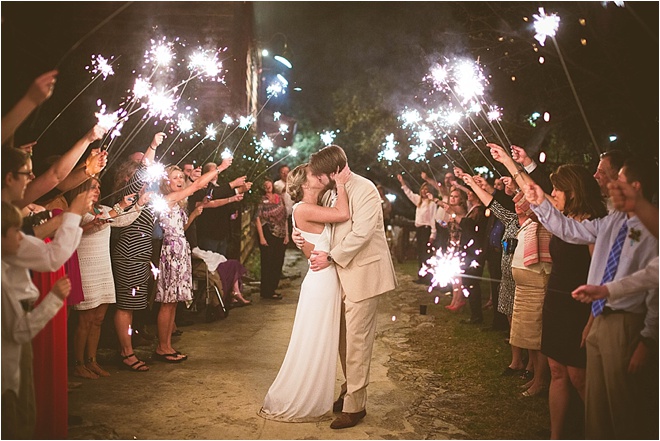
point(425, 230)
point(576, 194)
point(496, 203)
point(96, 272)
point(131, 254)
point(175, 269)
point(273, 233)
point(40, 90)
point(444, 187)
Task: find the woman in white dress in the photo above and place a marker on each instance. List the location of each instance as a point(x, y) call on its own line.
point(96, 273)
point(304, 388)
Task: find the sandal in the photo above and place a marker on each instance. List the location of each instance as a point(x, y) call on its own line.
point(82, 371)
point(138, 366)
point(239, 300)
point(93, 366)
point(527, 375)
point(164, 357)
point(183, 356)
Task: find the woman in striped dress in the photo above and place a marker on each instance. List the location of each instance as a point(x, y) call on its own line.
point(131, 255)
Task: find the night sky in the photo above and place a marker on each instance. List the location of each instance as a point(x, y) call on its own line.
point(336, 46)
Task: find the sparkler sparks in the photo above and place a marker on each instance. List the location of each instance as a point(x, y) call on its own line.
point(545, 25)
point(275, 88)
point(245, 121)
point(227, 120)
point(184, 123)
point(211, 131)
point(110, 121)
point(154, 271)
point(226, 154)
point(276, 116)
point(155, 172)
point(160, 53)
point(328, 137)
point(266, 143)
point(161, 104)
point(206, 63)
point(444, 267)
point(159, 204)
point(101, 65)
point(284, 128)
point(141, 88)
point(389, 153)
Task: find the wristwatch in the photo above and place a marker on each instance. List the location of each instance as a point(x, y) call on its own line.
point(330, 258)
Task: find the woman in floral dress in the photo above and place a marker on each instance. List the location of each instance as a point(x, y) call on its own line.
point(175, 268)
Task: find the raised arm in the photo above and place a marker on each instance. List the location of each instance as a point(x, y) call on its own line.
point(432, 182)
point(199, 183)
point(60, 170)
point(320, 214)
point(482, 194)
point(150, 153)
point(40, 90)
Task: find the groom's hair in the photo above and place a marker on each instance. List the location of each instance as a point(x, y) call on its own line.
point(328, 160)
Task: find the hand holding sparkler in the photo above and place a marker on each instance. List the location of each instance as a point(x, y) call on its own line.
point(62, 288)
point(483, 184)
point(225, 164)
point(42, 88)
point(158, 140)
point(498, 154)
point(81, 204)
point(400, 179)
point(96, 162)
point(238, 182)
point(534, 194)
point(589, 293)
point(623, 196)
point(27, 148)
point(520, 156)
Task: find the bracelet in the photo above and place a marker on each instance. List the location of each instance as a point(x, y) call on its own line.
point(516, 174)
point(153, 148)
point(117, 208)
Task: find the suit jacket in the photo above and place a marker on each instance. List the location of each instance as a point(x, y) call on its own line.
point(359, 247)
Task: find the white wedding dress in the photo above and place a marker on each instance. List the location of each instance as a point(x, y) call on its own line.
point(304, 388)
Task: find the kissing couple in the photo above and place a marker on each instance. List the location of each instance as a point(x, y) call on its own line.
point(338, 224)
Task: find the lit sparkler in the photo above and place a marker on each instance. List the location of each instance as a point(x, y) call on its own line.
point(211, 131)
point(184, 123)
point(155, 171)
point(444, 267)
point(101, 65)
point(226, 154)
point(159, 204)
point(328, 137)
point(545, 25)
point(206, 63)
point(284, 128)
point(266, 143)
point(276, 116)
point(245, 121)
point(389, 152)
point(154, 271)
point(110, 121)
point(160, 53)
point(141, 88)
point(227, 120)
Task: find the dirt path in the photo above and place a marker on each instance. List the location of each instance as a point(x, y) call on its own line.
point(217, 392)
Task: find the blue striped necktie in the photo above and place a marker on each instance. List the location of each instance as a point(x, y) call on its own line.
point(611, 266)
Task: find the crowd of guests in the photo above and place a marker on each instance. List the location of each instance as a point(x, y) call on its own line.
point(67, 250)
point(545, 239)
point(576, 258)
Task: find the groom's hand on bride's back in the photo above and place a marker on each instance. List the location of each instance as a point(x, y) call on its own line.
point(318, 260)
point(297, 238)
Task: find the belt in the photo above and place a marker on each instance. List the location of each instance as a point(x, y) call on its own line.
point(607, 311)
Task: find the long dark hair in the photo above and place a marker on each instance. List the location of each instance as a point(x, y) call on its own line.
point(583, 196)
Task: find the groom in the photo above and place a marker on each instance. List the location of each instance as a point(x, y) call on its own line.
point(359, 250)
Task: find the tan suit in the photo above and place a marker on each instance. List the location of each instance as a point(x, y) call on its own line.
point(365, 269)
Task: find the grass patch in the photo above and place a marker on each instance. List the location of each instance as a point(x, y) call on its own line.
point(469, 362)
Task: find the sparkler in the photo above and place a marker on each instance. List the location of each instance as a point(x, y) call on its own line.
point(155, 172)
point(328, 137)
point(154, 270)
point(98, 75)
point(284, 128)
point(276, 116)
point(159, 204)
point(110, 121)
point(101, 66)
point(546, 26)
point(292, 152)
point(207, 64)
point(226, 154)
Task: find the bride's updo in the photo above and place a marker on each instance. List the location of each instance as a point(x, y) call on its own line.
point(295, 181)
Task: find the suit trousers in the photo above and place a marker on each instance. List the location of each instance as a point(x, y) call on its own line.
point(272, 259)
point(356, 342)
point(619, 405)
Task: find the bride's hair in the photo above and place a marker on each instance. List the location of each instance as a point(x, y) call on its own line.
point(295, 181)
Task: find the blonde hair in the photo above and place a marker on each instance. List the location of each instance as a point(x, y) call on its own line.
point(295, 181)
point(165, 184)
point(11, 217)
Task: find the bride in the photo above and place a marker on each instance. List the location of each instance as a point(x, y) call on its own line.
point(304, 388)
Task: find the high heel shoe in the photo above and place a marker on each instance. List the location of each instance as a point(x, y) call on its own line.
point(458, 308)
point(239, 300)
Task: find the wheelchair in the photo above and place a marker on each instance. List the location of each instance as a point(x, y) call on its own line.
point(207, 292)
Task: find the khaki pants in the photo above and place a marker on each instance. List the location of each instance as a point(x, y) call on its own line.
point(619, 405)
point(19, 412)
point(356, 342)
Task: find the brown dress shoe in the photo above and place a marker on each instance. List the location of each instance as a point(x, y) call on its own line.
point(338, 405)
point(348, 419)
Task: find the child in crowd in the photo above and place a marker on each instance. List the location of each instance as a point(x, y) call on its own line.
point(20, 323)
